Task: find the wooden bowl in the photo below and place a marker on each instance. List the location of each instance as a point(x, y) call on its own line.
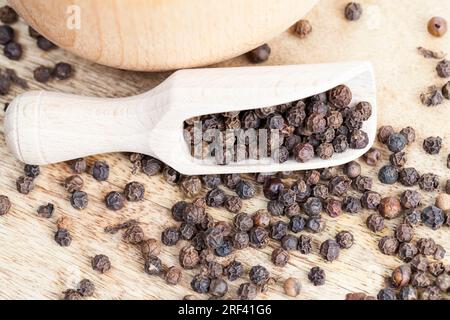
point(152, 35)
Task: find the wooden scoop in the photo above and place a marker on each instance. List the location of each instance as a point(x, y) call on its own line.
point(43, 127)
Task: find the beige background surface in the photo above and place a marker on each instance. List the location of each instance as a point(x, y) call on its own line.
point(33, 266)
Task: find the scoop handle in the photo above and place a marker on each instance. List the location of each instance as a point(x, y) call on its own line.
point(45, 127)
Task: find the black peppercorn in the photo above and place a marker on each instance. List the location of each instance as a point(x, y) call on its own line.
point(62, 70)
point(114, 200)
point(100, 171)
point(13, 50)
point(353, 11)
point(170, 236)
point(101, 263)
point(6, 34)
point(259, 275)
point(317, 276)
point(79, 200)
point(259, 54)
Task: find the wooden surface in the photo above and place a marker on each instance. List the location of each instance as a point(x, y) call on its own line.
point(33, 266)
point(43, 127)
point(149, 35)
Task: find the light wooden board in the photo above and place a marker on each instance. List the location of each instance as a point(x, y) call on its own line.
point(32, 266)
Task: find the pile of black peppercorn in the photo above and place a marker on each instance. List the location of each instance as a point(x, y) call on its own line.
point(321, 125)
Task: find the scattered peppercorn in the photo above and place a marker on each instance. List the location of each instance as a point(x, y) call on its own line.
point(25, 184)
point(63, 237)
point(6, 34)
point(388, 174)
point(389, 207)
point(375, 222)
point(432, 145)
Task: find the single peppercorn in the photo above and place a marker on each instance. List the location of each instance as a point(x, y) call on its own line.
point(388, 174)
point(353, 11)
point(259, 275)
point(173, 276)
point(260, 54)
point(115, 201)
point(153, 266)
point(333, 207)
point(398, 159)
point(247, 291)
point(79, 200)
point(100, 170)
point(389, 207)
point(304, 244)
point(384, 132)
point(375, 222)
point(408, 176)
point(292, 287)
point(72, 294)
point(396, 142)
point(8, 15)
point(409, 133)
point(134, 191)
point(101, 263)
point(245, 190)
point(150, 247)
point(170, 236)
point(215, 197)
point(372, 156)
point(370, 200)
point(62, 70)
point(25, 184)
point(429, 182)
point(437, 26)
point(401, 275)
point(410, 199)
point(234, 270)
point(329, 250)
point(63, 237)
point(426, 246)
point(73, 183)
point(432, 145)
point(433, 217)
point(280, 257)
point(317, 276)
point(303, 28)
point(5, 205)
point(443, 68)
point(78, 165)
point(344, 239)
point(6, 34)
point(404, 232)
point(351, 204)
point(13, 50)
point(386, 294)
point(86, 288)
point(46, 211)
point(407, 251)
point(388, 245)
point(134, 235)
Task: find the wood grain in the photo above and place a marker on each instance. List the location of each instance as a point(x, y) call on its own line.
point(149, 35)
point(33, 266)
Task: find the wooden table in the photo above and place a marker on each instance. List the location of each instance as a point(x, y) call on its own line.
point(33, 266)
